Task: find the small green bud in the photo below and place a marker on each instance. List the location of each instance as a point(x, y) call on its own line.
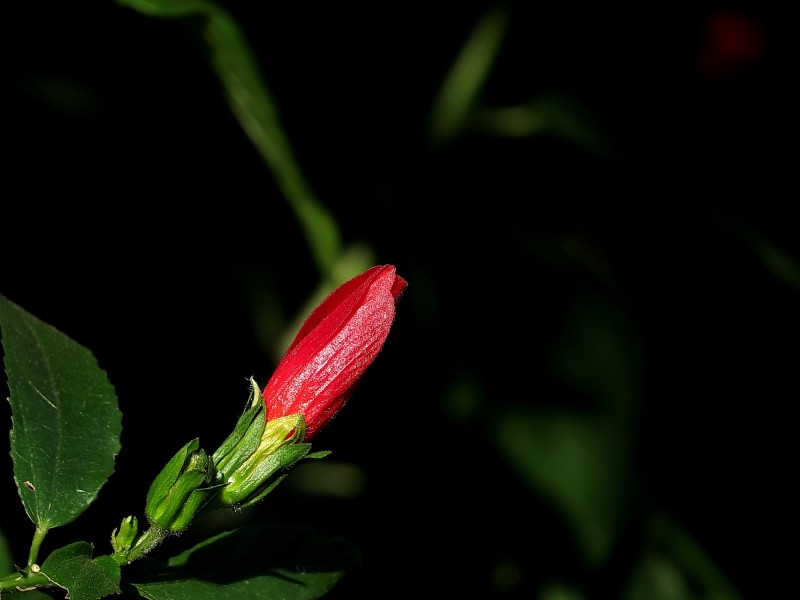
point(122, 537)
point(180, 490)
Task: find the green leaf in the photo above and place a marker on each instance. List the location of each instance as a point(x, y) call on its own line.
point(582, 459)
point(253, 563)
point(73, 569)
point(66, 424)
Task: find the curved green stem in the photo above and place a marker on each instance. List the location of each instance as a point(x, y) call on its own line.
point(253, 105)
point(38, 538)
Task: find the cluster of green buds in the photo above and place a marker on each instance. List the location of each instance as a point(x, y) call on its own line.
point(182, 488)
point(248, 465)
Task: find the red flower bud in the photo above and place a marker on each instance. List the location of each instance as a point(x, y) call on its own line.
point(333, 348)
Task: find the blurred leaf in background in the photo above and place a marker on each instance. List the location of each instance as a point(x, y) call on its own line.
point(581, 456)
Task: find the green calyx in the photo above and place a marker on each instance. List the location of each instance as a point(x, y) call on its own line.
point(280, 447)
point(255, 456)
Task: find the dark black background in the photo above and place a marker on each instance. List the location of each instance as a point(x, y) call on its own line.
point(137, 218)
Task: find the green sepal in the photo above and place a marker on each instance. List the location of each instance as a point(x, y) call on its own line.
point(271, 485)
point(247, 487)
point(319, 454)
point(178, 499)
point(290, 461)
point(197, 499)
point(170, 473)
point(241, 443)
point(244, 439)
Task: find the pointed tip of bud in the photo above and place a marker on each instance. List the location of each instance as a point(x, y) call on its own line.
point(122, 538)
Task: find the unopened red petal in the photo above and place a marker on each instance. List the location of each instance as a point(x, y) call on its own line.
point(334, 347)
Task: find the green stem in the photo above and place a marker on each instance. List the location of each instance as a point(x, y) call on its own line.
point(23, 582)
point(38, 538)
